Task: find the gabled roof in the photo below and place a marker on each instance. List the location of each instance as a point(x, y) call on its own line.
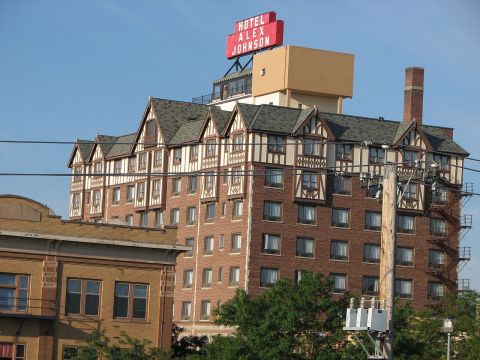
point(106, 143)
point(84, 146)
point(234, 75)
point(172, 114)
point(220, 117)
point(122, 146)
point(442, 142)
point(188, 132)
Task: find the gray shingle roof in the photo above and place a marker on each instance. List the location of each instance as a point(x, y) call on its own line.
point(220, 117)
point(85, 147)
point(106, 143)
point(122, 146)
point(188, 132)
point(172, 114)
point(441, 142)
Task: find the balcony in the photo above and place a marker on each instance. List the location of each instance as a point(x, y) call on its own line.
point(464, 253)
point(463, 284)
point(27, 308)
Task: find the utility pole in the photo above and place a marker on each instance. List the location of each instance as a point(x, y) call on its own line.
point(387, 253)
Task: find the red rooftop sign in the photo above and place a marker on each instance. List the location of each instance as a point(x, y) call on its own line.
point(255, 33)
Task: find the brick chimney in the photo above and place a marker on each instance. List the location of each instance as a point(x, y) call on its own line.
point(413, 94)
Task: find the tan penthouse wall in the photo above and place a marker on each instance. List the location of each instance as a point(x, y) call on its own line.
point(303, 70)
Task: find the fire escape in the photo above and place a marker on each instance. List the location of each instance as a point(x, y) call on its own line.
point(443, 206)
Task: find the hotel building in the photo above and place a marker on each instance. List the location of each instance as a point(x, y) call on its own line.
point(266, 178)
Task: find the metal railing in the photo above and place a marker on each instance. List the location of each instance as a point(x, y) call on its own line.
point(463, 284)
point(21, 306)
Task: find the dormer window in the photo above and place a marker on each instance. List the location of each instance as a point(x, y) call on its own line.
point(237, 142)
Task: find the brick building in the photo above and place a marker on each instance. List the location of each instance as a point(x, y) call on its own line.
point(60, 280)
point(269, 179)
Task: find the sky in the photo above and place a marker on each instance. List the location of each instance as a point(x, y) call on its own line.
point(72, 69)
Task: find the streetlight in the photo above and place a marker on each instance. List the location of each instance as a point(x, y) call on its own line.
point(448, 328)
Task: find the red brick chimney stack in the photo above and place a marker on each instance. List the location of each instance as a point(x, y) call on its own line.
point(413, 94)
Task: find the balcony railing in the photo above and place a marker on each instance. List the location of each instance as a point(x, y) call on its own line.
point(464, 253)
point(16, 307)
point(463, 284)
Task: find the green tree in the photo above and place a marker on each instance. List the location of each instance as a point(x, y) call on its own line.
point(288, 321)
point(99, 346)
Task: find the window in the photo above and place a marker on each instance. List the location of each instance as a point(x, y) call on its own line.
point(12, 351)
point(83, 297)
point(208, 245)
point(404, 256)
point(409, 158)
point(97, 197)
point(237, 209)
point(406, 224)
point(312, 147)
point(189, 242)
point(403, 288)
point(209, 180)
point(342, 185)
point(236, 175)
point(150, 133)
point(309, 180)
point(207, 278)
point(276, 143)
point(376, 155)
point(271, 244)
point(234, 276)
point(268, 276)
point(116, 196)
point(142, 161)
point(130, 300)
point(237, 142)
point(339, 282)
point(187, 278)
point(129, 220)
point(299, 274)
point(220, 274)
point(210, 148)
point(236, 243)
point(205, 310)
point(14, 290)
point(174, 216)
point(77, 172)
point(156, 188)
point(305, 247)
point(210, 212)
point(176, 184)
point(436, 259)
point(306, 214)
point(373, 220)
point(70, 352)
point(144, 219)
point(438, 227)
point(340, 218)
point(191, 215)
point(344, 152)
point(272, 211)
point(76, 201)
point(410, 191)
point(193, 152)
point(274, 178)
point(132, 164)
point(117, 167)
point(186, 310)
point(87, 197)
point(439, 195)
point(221, 242)
point(130, 193)
point(374, 191)
point(435, 290)
point(443, 161)
point(140, 191)
point(370, 285)
point(371, 253)
point(158, 218)
point(339, 250)
point(192, 184)
point(177, 156)
point(157, 158)
point(97, 168)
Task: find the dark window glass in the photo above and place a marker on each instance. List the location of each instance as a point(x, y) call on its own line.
point(74, 295)
point(92, 297)
point(139, 301)
point(120, 306)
